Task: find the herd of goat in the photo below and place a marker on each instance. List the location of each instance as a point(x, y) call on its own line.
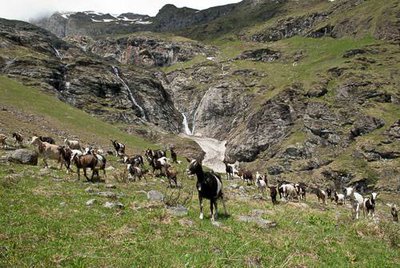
point(209, 183)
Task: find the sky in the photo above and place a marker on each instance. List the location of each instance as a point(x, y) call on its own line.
point(28, 9)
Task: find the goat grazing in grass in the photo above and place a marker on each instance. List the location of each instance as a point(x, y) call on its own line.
point(18, 138)
point(301, 188)
point(3, 140)
point(47, 139)
point(246, 176)
point(209, 186)
point(261, 183)
point(84, 162)
point(288, 191)
point(171, 175)
point(339, 198)
point(73, 144)
point(47, 150)
point(174, 156)
point(135, 172)
point(119, 148)
point(357, 201)
point(273, 192)
point(230, 170)
point(321, 194)
point(136, 160)
point(394, 213)
point(369, 204)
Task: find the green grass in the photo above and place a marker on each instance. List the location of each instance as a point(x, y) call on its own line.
point(45, 222)
point(60, 116)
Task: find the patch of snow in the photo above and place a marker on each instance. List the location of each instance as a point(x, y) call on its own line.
point(143, 22)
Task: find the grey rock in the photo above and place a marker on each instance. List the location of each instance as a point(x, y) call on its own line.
point(24, 156)
point(91, 202)
point(110, 186)
point(155, 196)
point(113, 205)
point(234, 186)
point(178, 210)
point(63, 204)
point(89, 190)
point(107, 194)
point(262, 223)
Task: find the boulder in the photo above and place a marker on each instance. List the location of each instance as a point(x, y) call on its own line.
point(155, 196)
point(24, 156)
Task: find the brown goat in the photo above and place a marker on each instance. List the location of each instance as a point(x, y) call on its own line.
point(171, 175)
point(3, 140)
point(47, 150)
point(85, 161)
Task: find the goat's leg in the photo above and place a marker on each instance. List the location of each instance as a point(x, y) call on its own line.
point(79, 173)
point(212, 204)
point(223, 204)
point(216, 208)
point(84, 173)
point(201, 207)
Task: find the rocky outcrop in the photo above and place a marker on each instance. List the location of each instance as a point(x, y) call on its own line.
point(23, 156)
point(144, 50)
point(85, 81)
point(264, 55)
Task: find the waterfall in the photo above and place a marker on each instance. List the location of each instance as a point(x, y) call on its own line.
point(133, 100)
point(58, 55)
point(186, 125)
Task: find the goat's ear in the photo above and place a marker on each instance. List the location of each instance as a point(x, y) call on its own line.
point(187, 159)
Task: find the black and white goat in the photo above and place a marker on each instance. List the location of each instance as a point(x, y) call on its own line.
point(321, 194)
point(369, 204)
point(230, 170)
point(119, 148)
point(339, 198)
point(136, 160)
point(301, 189)
point(209, 186)
point(287, 191)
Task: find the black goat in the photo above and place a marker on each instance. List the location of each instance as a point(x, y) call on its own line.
point(18, 138)
point(47, 139)
point(209, 186)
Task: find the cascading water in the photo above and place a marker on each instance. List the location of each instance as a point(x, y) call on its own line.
point(133, 100)
point(58, 55)
point(186, 125)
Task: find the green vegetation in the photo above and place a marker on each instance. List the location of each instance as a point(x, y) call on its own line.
point(45, 222)
point(58, 115)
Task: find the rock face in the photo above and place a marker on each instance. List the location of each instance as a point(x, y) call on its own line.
point(143, 50)
point(128, 95)
point(24, 156)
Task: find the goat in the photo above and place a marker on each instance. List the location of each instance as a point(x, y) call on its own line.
point(73, 144)
point(174, 156)
point(301, 188)
point(135, 172)
point(288, 191)
point(135, 160)
point(247, 176)
point(155, 153)
point(321, 194)
point(329, 194)
point(101, 161)
point(209, 186)
point(280, 190)
point(66, 154)
point(3, 140)
point(230, 170)
point(339, 198)
point(84, 162)
point(357, 201)
point(18, 138)
point(171, 175)
point(119, 148)
point(394, 213)
point(273, 193)
point(261, 183)
point(47, 150)
point(47, 139)
point(369, 204)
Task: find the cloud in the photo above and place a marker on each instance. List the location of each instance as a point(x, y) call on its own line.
point(27, 9)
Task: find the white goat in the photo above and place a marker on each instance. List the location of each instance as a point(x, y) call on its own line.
point(73, 144)
point(260, 183)
point(339, 198)
point(357, 201)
